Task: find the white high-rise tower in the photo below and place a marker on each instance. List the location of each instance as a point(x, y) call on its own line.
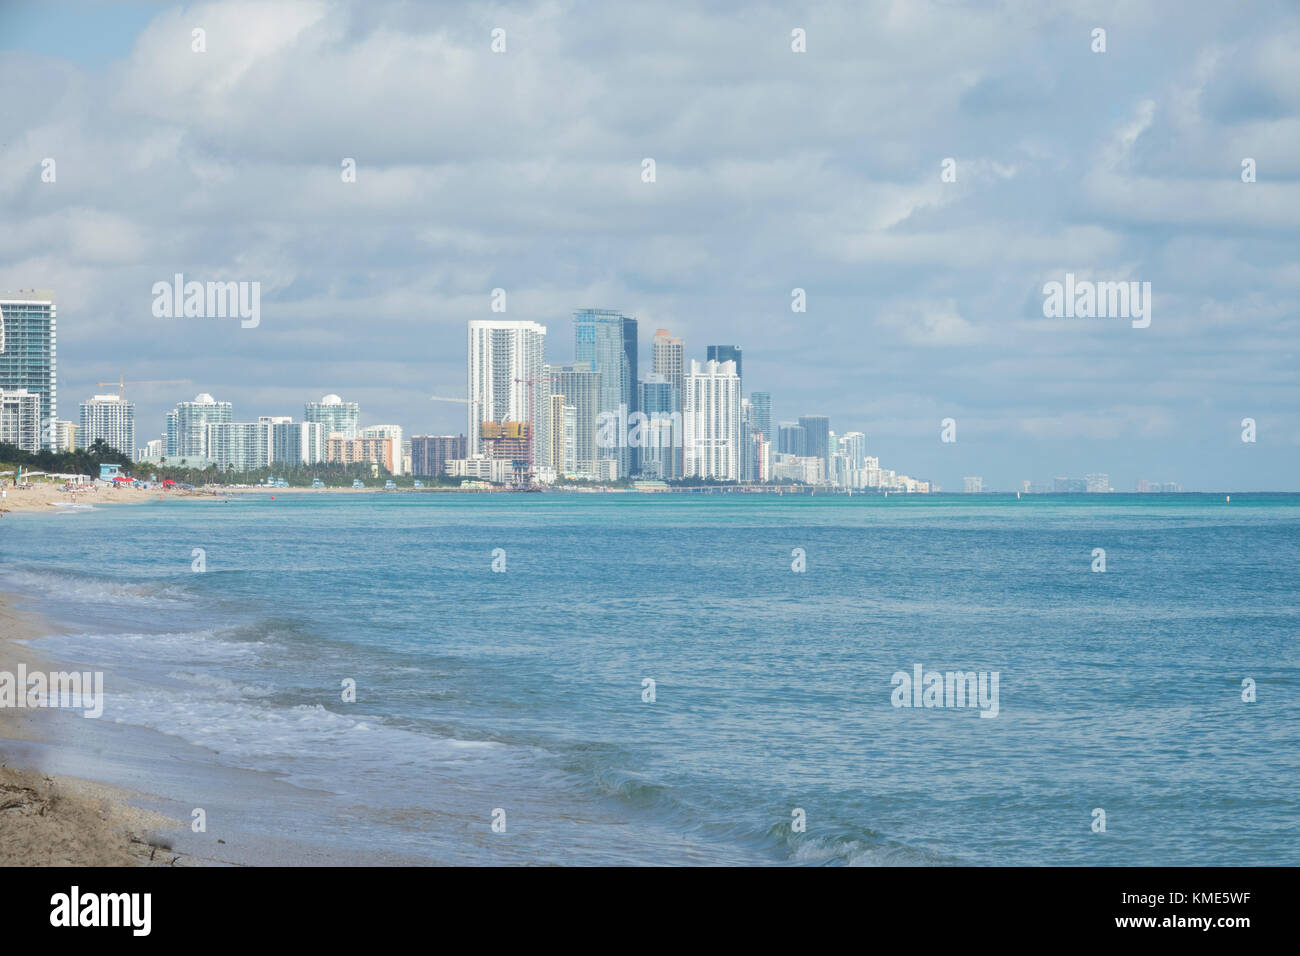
point(506, 380)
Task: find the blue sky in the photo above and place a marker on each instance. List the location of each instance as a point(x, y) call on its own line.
point(774, 170)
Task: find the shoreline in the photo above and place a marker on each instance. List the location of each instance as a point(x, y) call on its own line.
point(61, 820)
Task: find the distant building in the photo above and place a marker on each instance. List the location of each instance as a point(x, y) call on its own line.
point(817, 428)
point(295, 443)
point(669, 360)
point(1096, 484)
point(507, 441)
point(712, 421)
point(579, 383)
point(662, 431)
point(497, 470)
point(506, 383)
point(338, 417)
point(110, 419)
point(388, 431)
point(607, 340)
point(727, 353)
point(187, 423)
point(238, 446)
point(430, 453)
point(28, 347)
point(65, 435)
point(972, 485)
point(20, 419)
point(792, 439)
point(350, 451)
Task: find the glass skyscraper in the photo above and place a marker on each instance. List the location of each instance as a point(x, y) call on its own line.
point(28, 342)
point(817, 428)
point(607, 340)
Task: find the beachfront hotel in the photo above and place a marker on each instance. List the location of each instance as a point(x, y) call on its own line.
point(28, 347)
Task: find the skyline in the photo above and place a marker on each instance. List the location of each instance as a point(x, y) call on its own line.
point(924, 297)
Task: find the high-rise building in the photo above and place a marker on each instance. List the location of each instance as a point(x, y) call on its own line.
point(65, 435)
point(20, 419)
point(760, 404)
point(430, 453)
point(712, 421)
point(607, 340)
point(556, 430)
point(388, 431)
point(110, 419)
point(579, 383)
point(972, 485)
point(1096, 484)
point(792, 439)
point(28, 340)
point(338, 417)
point(351, 451)
point(238, 446)
point(669, 359)
point(818, 431)
point(506, 381)
point(727, 353)
point(295, 443)
point(663, 429)
point(187, 435)
point(853, 446)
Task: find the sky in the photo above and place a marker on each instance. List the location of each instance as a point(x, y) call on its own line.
point(775, 170)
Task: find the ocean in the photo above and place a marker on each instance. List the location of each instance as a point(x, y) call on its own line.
point(647, 679)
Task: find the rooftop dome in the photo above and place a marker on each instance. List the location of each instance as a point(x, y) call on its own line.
point(203, 398)
point(331, 400)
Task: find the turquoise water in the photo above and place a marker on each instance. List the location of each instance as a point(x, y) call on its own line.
point(522, 690)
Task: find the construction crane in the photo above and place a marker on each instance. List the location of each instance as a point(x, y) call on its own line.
point(122, 383)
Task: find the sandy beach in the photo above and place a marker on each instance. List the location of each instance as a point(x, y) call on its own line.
point(47, 496)
point(58, 820)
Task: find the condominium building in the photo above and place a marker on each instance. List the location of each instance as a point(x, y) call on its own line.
point(430, 453)
point(580, 384)
point(187, 424)
point(65, 435)
point(349, 451)
point(388, 431)
point(712, 421)
point(28, 353)
point(338, 417)
point(20, 419)
point(295, 443)
point(238, 446)
point(760, 415)
point(817, 429)
point(608, 341)
point(110, 419)
point(506, 379)
point(669, 359)
point(663, 431)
